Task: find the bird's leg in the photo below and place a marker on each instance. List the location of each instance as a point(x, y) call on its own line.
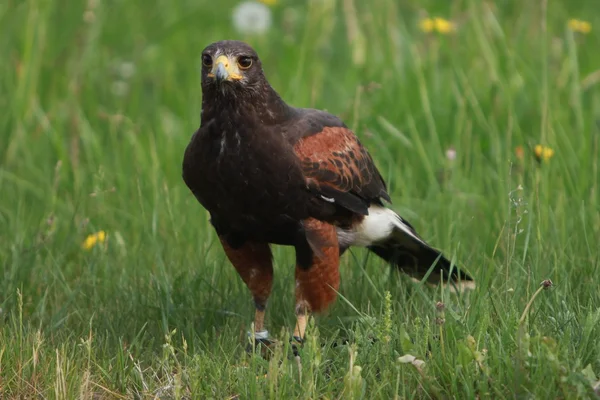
point(302, 316)
point(317, 275)
point(260, 333)
point(253, 261)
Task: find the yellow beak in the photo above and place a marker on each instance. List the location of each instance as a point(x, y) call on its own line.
point(225, 69)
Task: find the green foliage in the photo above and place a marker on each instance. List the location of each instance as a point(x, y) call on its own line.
point(99, 100)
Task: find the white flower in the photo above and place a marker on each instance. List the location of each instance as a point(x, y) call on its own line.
point(451, 154)
point(251, 17)
point(126, 69)
point(123, 69)
point(119, 88)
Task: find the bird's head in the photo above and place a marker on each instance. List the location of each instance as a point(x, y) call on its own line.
point(230, 66)
point(233, 79)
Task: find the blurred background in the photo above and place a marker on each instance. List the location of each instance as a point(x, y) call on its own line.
point(483, 117)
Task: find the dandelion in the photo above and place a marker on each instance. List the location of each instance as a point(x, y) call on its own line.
point(440, 25)
point(577, 25)
point(126, 69)
point(543, 153)
point(94, 239)
point(444, 26)
point(119, 88)
point(427, 25)
point(451, 154)
point(252, 17)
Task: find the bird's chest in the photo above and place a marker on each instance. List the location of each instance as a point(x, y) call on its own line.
point(235, 165)
point(242, 176)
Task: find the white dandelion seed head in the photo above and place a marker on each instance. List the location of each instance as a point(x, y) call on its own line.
point(119, 88)
point(451, 154)
point(123, 70)
point(126, 69)
point(252, 17)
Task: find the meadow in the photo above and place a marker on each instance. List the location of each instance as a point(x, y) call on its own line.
point(483, 117)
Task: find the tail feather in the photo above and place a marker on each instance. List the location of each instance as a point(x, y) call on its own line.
point(393, 239)
point(418, 263)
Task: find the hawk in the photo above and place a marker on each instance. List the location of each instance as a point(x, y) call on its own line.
point(269, 173)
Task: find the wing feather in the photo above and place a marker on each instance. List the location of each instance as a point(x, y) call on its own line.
point(338, 167)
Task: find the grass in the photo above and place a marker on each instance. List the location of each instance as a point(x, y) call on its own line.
point(99, 100)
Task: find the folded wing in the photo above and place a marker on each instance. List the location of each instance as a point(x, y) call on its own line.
point(340, 171)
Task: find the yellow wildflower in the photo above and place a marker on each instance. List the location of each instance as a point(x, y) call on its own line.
point(440, 25)
point(93, 239)
point(269, 2)
point(427, 25)
point(543, 153)
point(443, 25)
point(577, 25)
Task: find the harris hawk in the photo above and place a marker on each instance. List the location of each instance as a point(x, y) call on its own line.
point(269, 173)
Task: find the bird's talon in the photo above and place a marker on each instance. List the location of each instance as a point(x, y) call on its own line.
point(296, 341)
point(295, 351)
point(259, 343)
point(260, 339)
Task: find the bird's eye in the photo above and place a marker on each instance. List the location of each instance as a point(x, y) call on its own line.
point(206, 60)
point(244, 62)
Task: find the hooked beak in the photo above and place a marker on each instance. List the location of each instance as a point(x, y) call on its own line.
point(225, 69)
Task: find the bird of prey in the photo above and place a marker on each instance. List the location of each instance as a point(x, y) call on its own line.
point(269, 173)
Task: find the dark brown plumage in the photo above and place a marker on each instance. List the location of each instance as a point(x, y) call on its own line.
point(269, 173)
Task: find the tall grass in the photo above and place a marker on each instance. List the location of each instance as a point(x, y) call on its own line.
point(99, 100)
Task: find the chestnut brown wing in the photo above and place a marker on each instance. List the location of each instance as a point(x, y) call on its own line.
point(340, 170)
